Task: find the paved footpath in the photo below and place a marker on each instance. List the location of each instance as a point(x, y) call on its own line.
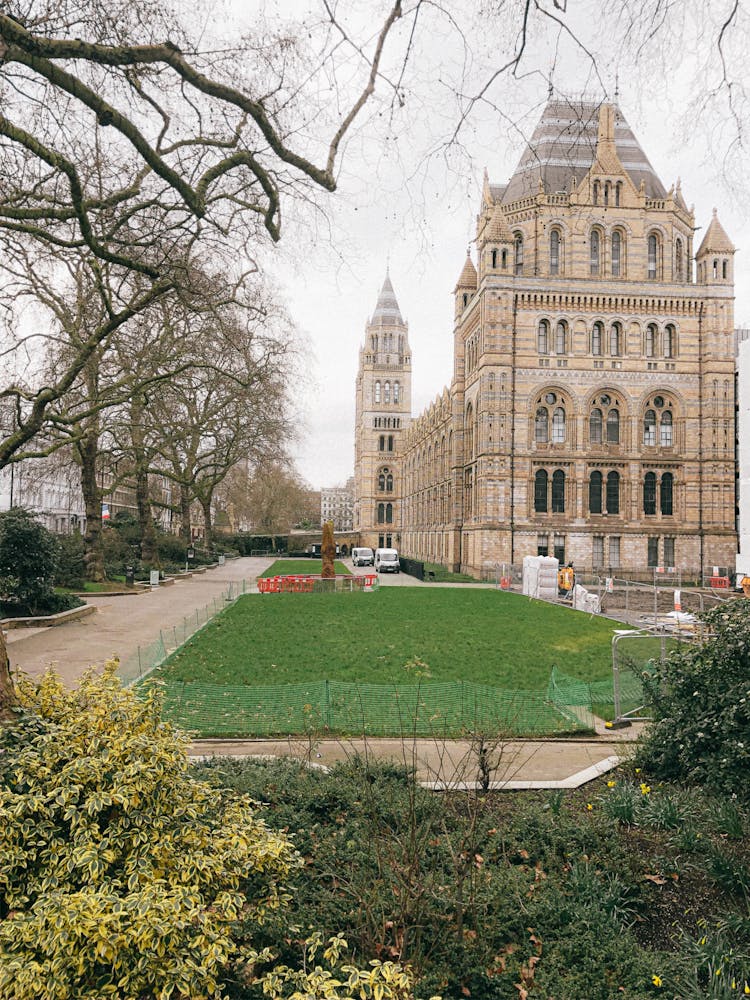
point(123, 623)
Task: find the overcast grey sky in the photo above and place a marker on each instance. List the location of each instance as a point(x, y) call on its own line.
point(406, 198)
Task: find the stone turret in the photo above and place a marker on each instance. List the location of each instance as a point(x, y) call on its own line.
point(715, 257)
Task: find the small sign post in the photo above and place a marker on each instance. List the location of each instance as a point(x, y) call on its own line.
point(154, 577)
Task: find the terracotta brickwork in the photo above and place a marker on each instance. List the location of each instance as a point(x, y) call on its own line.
point(591, 409)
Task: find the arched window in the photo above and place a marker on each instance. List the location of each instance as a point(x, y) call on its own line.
point(542, 337)
point(396, 392)
point(381, 443)
point(618, 193)
point(678, 273)
point(541, 425)
point(649, 427)
point(374, 342)
point(594, 251)
point(615, 340)
point(558, 492)
point(665, 430)
point(469, 429)
point(540, 491)
point(597, 337)
point(651, 340)
point(518, 254)
point(377, 392)
point(390, 442)
point(667, 491)
point(723, 269)
point(596, 193)
point(558, 425)
point(389, 482)
point(595, 426)
point(504, 259)
point(606, 193)
point(554, 252)
point(653, 249)
point(493, 259)
point(387, 392)
point(669, 341)
point(595, 493)
point(381, 513)
point(649, 493)
point(616, 253)
point(381, 481)
point(561, 337)
point(613, 427)
point(613, 492)
point(389, 513)
point(716, 269)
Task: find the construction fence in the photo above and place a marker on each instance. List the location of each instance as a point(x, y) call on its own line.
point(431, 709)
point(151, 655)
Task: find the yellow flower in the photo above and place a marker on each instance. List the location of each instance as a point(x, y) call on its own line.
point(657, 980)
point(589, 807)
point(747, 990)
point(645, 789)
point(638, 770)
point(611, 784)
point(608, 725)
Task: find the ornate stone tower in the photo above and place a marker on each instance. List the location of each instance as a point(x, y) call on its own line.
point(383, 413)
point(590, 413)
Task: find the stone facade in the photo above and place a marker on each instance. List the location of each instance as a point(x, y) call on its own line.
point(337, 505)
point(591, 409)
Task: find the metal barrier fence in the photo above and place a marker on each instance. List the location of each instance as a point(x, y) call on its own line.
point(149, 656)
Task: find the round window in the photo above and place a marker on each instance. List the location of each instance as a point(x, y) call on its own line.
point(550, 398)
point(658, 401)
point(605, 400)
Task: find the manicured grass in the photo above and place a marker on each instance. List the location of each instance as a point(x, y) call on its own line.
point(485, 636)
point(296, 567)
point(442, 574)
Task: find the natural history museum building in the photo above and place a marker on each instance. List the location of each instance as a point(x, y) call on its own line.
point(590, 414)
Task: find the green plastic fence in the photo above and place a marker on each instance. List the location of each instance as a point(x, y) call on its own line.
point(583, 696)
point(433, 709)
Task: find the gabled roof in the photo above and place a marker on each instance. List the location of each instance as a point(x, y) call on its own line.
point(387, 312)
point(563, 146)
point(715, 240)
point(468, 277)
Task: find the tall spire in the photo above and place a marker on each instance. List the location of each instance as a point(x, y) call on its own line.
point(387, 312)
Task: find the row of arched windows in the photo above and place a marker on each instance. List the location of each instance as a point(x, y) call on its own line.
point(607, 255)
point(603, 341)
point(550, 421)
point(385, 481)
point(386, 392)
point(603, 494)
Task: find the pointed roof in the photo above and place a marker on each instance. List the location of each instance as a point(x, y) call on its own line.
point(387, 312)
point(468, 277)
point(564, 146)
point(497, 229)
point(716, 239)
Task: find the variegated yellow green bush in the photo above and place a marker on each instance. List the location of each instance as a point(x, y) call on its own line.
point(123, 876)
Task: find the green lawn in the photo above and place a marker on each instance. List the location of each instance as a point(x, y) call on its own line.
point(486, 636)
point(296, 567)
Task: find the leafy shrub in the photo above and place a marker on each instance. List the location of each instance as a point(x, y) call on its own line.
point(121, 875)
point(71, 566)
point(701, 700)
point(28, 560)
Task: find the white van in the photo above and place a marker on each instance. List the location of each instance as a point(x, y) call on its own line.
point(363, 557)
point(386, 561)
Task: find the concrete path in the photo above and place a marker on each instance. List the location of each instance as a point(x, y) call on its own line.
point(452, 764)
point(122, 623)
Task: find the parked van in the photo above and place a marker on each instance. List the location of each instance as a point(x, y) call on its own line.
point(363, 557)
point(386, 561)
